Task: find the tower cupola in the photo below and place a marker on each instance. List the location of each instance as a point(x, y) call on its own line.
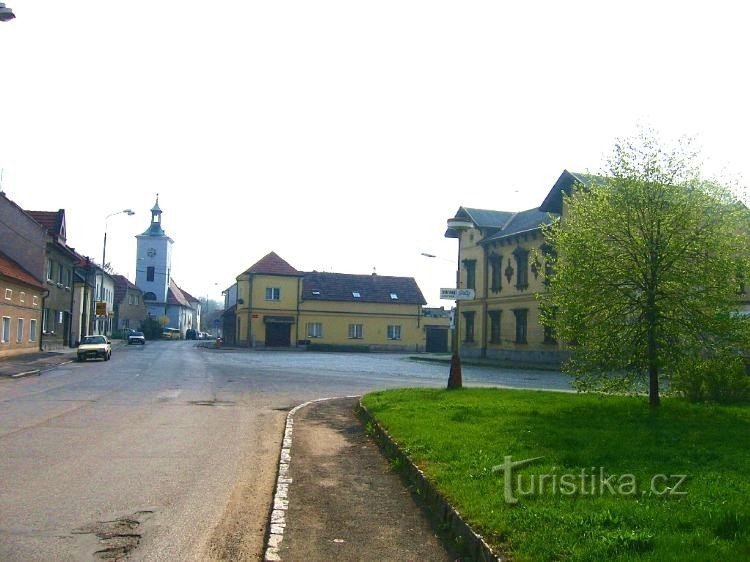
point(155, 228)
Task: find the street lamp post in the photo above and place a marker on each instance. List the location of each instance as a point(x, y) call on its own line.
point(455, 377)
point(128, 212)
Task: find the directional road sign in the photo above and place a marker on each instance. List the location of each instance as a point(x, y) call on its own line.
point(457, 294)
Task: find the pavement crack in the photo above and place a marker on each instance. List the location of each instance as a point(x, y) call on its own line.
point(118, 537)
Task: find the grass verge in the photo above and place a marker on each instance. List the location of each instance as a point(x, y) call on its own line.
point(599, 444)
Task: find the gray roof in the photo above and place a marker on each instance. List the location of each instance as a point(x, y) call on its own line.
point(482, 218)
point(523, 221)
point(324, 286)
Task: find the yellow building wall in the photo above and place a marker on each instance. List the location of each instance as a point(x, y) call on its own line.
point(335, 318)
point(252, 292)
point(508, 298)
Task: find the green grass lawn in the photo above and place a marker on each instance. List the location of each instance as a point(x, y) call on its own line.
point(457, 437)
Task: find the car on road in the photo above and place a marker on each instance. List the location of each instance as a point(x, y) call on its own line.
point(94, 347)
point(136, 338)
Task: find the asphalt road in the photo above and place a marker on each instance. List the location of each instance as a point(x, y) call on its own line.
point(168, 452)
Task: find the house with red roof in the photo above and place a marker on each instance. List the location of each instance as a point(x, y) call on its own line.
point(20, 309)
point(129, 308)
point(280, 306)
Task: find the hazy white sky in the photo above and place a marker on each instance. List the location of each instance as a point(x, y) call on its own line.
point(343, 134)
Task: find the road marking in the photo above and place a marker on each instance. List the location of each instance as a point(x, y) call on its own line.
point(277, 523)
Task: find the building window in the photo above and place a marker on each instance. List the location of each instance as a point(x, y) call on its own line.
point(394, 296)
point(8, 294)
point(60, 274)
point(468, 326)
point(126, 324)
point(273, 293)
point(150, 273)
point(355, 332)
point(22, 297)
point(5, 332)
point(60, 316)
point(522, 268)
point(50, 269)
point(495, 316)
point(394, 332)
point(522, 315)
point(32, 330)
point(356, 294)
point(68, 278)
point(314, 330)
point(149, 296)
point(19, 331)
point(471, 273)
point(35, 301)
point(496, 273)
point(316, 293)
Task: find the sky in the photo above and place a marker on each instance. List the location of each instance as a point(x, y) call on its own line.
point(343, 134)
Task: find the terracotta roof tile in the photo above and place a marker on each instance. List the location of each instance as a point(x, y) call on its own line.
point(11, 269)
point(272, 264)
point(122, 286)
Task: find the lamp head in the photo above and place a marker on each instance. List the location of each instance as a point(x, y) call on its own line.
point(6, 14)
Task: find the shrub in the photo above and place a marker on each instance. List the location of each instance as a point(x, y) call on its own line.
point(722, 378)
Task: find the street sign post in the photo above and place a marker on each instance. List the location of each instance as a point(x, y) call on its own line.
point(451, 294)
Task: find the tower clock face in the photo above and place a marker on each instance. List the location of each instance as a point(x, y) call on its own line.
point(151, 252)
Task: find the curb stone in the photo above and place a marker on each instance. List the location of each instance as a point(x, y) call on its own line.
point(473, 543)
point(26, 374)
point(277, 518)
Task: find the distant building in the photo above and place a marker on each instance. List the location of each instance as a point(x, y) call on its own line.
point(279, 306)
point(161, 295)
point(130, 310)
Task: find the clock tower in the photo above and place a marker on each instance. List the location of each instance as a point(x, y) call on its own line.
point(153, 264)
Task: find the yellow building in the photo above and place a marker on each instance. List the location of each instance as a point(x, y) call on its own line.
point(279, 306)
point(502, 258)
point(21, 298)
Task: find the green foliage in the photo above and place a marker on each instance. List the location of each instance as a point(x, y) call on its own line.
point(645, 270)
point(151, 329)
point(722, 379)
point(456, 439)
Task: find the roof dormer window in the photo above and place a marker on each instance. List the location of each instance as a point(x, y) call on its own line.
point(356, 294)
point(394, 296)
point(316, 293)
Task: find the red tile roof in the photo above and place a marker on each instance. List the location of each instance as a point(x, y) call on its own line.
point(175, 295)
point(272, 264)
point(51, 220)
point(122, 286)
point(11, 269)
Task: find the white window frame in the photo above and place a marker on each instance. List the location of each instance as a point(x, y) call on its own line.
point(22, 297)
point(394, 331)
point(35, 300)
point(19, 330)
point(394, 296)
point(8, 294)
point(32, 329)
point(50, 269)
point(314, 329)
point(5, 330)
point(356, 332)
point(273, 293)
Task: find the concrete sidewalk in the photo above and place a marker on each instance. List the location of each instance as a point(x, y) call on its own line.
point(35, 363)
point(345, 503)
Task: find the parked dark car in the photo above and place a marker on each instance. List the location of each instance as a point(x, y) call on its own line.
point(191, 334)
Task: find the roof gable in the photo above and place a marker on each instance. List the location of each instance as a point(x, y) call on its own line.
point(324, 286)
point(564, 184)
point(53, 221)
point(272, 264)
